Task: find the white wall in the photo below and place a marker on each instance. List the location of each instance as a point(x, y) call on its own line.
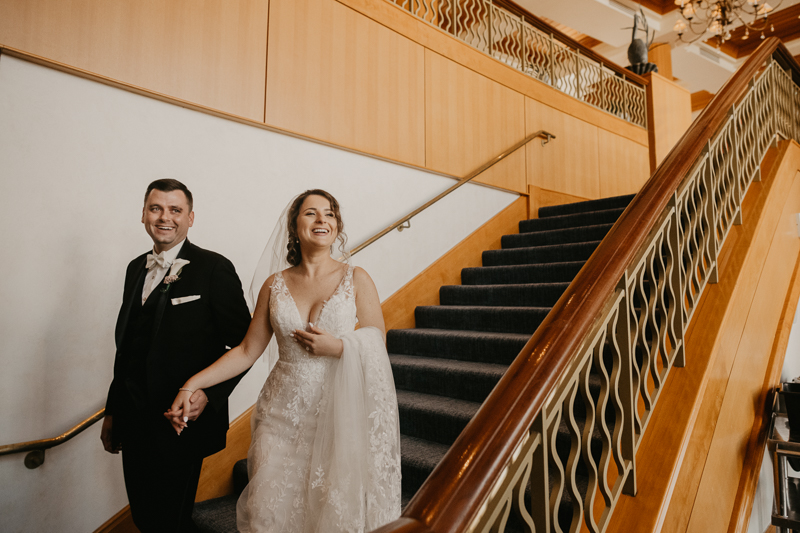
point(75, 158)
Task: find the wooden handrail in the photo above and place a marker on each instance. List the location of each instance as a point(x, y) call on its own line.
point(540, 24)
point(451, 497)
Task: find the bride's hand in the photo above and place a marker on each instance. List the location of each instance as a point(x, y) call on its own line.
point(181, 405)
point(318, 342)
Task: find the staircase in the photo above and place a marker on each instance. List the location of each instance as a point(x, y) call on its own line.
point(446, 366)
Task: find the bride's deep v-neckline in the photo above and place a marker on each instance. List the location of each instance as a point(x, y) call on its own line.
point(324, 302)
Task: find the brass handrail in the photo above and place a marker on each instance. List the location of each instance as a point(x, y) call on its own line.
point(399, 224)
point(35, 458)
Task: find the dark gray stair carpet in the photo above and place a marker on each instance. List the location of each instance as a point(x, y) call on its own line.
point(560, 236)
point(433, 417)
point(449, 363)
point(556, 253)
point(465, 380)
point(508, 295)
point(482, 346)
point(613, 202)
point(461, 348)
point(521, 274)
point(217, 515)
point(607, 216)
point(484, 318)
point(420, 457)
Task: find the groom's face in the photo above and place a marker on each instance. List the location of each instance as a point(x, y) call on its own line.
point(166, 218)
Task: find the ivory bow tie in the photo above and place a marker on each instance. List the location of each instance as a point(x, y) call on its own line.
point(157, 259)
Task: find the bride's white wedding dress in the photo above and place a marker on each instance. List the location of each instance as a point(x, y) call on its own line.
point(325, 454)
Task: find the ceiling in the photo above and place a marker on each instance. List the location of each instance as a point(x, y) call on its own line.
point(701, 67)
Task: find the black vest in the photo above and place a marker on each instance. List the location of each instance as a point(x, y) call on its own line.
point(136, 342)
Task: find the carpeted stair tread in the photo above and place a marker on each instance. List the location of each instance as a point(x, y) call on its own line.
point(420, 457)
point(613, 202)
point(510, 295)
point(432, 417)
point(557, 253)
point(481, 318)
point(519, 274)
point(561, 236)
point(217, 515)
point(591, 218)
point(240, 476)
point(465, 380)
point(480, 346)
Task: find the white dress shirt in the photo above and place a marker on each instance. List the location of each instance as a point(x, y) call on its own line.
point(157, 273)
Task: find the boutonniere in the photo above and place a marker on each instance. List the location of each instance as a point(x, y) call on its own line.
point(174, 273)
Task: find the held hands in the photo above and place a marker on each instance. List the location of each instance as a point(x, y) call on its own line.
point(318, 342)
point(187, 406)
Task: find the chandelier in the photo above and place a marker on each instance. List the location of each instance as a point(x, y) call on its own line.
point(719, 17)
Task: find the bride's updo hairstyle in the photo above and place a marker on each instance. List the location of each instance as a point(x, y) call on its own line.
point(295, 255)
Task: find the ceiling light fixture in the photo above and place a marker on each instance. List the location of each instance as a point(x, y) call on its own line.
point(719, 17)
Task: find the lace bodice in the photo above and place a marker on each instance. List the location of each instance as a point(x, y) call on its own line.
point(337, 316)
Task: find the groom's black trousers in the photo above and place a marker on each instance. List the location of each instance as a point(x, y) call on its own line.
point(161, 486)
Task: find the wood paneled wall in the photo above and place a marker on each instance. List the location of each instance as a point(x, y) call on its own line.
point(668, 117)
point(335, 75)
point(209, 52)
point(584, 160)
point(469, 120)
point(661, 55)
point(362, 74)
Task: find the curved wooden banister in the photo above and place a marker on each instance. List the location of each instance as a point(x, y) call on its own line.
point(537, 22)
point(455, 491)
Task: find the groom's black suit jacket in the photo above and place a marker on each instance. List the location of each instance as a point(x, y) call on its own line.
point(161, 344)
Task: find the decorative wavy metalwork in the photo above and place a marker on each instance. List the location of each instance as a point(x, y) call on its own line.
point(596, 415)
point(509, 39)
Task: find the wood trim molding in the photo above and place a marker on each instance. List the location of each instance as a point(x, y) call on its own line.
point(122, 522)
point(398, 309)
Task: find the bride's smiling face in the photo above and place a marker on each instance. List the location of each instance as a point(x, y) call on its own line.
point(316, 222)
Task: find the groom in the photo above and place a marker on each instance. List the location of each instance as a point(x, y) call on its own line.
point(182, 308)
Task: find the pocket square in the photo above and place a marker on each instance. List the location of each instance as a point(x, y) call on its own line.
point(185, 299)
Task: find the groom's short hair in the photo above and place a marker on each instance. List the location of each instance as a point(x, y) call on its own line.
point(169, 185)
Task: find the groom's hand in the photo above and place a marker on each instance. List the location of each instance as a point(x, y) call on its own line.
point(106, 436)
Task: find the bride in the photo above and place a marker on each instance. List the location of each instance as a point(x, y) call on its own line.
point(325, 452)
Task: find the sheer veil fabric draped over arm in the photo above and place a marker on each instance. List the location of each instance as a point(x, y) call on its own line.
point(355, 463)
